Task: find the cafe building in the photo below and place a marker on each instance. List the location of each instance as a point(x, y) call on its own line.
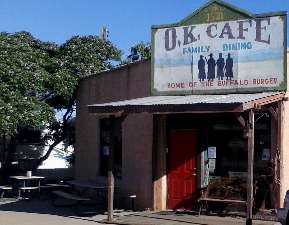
point(209, 113)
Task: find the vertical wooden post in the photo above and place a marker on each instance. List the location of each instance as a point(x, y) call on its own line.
point(110, 177)
point(280, 168)
point(250, 174)
point(159, 163)
point(275, 187)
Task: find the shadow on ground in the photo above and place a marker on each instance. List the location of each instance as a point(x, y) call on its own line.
point(90, 214)
point(46, 207)
point(173, 218)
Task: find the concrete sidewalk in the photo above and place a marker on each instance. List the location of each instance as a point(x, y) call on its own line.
point(147, 218)
point(22, 218)
point(41, 212)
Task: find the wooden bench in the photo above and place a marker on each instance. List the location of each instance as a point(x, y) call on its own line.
point(54, 187)
point(4, 189)
point(223, 190)
point(47, 189)
point(24, 189)
point(69, 196)
point(58, 185)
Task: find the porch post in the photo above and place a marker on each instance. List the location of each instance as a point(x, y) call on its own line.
point(110, 177)
point(250, 174)
point(275, 153)
point(159, 163)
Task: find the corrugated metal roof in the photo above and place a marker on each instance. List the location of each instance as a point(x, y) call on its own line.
point(168, 101)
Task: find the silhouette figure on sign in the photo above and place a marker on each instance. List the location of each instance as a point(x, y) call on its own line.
point(220, 67)
point(201, 67)
point(229, 67)
point(192, 67)
point(211, 68)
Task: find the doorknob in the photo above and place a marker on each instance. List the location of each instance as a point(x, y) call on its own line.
point(194, 174)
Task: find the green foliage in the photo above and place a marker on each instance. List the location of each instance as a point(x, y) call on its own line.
point(23, 75)
point(144, 49)
point(38, 77)
point(84, 56)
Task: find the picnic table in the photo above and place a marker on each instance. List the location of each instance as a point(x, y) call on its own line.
point(83, 187)
point(86, 184)
point(79, 194)
point(25, 180)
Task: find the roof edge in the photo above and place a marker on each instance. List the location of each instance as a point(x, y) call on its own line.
point(224, 4)
point(116, 68)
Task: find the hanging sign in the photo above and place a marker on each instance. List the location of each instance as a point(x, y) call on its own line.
point(220, 57)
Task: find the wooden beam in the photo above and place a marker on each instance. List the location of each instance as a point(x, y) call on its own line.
point(114, 114)
point(273, 113)
point(110, 177)
point(280, 136)
point(250, 168)
point(172, 108)
point(159, 163)
point(241, 120)
point(275, 187)
point(197, 112)
point(268, 100)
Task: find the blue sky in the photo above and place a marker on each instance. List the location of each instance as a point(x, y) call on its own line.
point(129, 21)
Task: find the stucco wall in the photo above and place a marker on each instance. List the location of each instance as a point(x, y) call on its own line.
point(284, 151)
point(284, 165)
point(137, 158)
point(128, 82)
point(87, 140)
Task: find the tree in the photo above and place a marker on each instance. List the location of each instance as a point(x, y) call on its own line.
point(144, 50)
point(37, 79)
point(140, 51)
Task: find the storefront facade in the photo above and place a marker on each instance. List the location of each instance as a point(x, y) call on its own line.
point(211, 105)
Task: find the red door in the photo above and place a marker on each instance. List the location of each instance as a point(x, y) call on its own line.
point(182, 169)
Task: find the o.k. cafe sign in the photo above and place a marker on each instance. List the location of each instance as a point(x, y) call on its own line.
point(243, 55)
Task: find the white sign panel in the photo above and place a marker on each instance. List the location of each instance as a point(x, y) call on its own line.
point(212, 165)
point(212, 152)
point(225, 56)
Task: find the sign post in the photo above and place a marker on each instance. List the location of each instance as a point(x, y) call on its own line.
point(110, 177)
point(250, 173)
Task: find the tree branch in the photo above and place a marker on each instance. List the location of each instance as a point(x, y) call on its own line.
point(47, 154)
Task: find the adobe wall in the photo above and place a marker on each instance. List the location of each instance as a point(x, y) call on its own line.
point(137, 159)
point(128, 82)
point(284, 151)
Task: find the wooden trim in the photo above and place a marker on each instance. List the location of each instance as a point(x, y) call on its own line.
point(275, 189)
point(267, 100)
point(273, 112)
point(279, 149)
point(159, 163)
point(241, 120)
point(250, 174)
point(180, 108)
